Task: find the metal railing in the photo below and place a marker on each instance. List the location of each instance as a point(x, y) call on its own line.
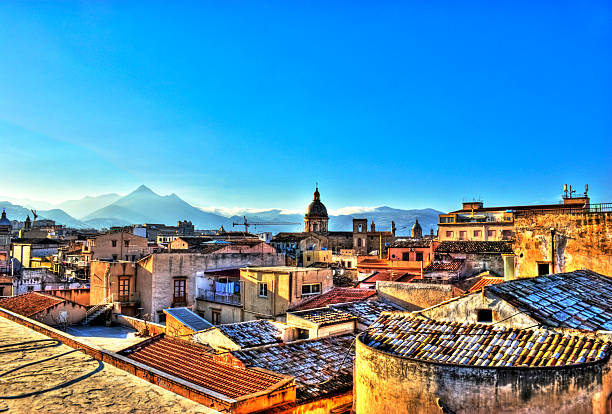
point(108, 300)
point(212, 295)
point(569, 209)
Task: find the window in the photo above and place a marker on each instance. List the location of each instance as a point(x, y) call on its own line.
point(360, 228)
point(419, 256)
point(477, 233)
point(30, 288)
point(543, 269)
point(311, 289)
point(358, 242)
point(115, 257)
point(462, 235)
point(485, 315)
point(114, 243)
point(506, 234)
point(491, 233)
point(179, 290)
point(449, 234)
point(126, 243)
point(216, 316)
point(405, 256)
point(124, 289)
point(263, 290)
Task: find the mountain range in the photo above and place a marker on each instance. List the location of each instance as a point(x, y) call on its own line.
point(145, 206)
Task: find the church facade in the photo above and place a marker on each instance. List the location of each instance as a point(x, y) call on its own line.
point(316, 235)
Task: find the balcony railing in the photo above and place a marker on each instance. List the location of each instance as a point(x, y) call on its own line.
point(213, 295)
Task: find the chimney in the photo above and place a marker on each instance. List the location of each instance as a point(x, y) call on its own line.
point(508, 266)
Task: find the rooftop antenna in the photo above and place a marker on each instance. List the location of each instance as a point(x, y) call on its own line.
point(586, 190)
point(565, 189)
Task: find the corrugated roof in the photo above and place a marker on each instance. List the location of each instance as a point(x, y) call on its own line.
point(191, 362)
point(189, 318)
point(252, 333)
point(315, 364)
point(482, 345)
point(468, 246)
point(486, 281)
point(30, 304)
point(581, 299)
point(334, 295)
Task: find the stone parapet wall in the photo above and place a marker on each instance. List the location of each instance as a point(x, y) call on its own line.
point(385, 383)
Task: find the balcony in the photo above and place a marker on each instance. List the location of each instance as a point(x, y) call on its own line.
point(213, 295)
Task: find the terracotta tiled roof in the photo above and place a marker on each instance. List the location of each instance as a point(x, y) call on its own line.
point(30, 304)
point(335, 295)
point(474, 344)
point(452, 266)
point(367, 311)
point(315, 364)
point(486, 281)
point(324, 316)
point(191, 362)
point(464, 246)
point(252, 333)
point(581, 299)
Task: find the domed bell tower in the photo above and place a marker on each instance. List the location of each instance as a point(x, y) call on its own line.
point(316, 218)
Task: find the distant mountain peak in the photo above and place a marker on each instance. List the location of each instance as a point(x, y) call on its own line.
point(143, 189)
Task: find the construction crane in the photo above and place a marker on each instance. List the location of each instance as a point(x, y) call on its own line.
point(34, 213)
point(247, 224)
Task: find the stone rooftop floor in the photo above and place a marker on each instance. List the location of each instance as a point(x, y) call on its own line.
point(74, 383)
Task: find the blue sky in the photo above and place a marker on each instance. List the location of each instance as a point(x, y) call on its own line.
point(406, 104)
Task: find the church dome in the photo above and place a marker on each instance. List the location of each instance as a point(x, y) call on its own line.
point(3, 220)
point(416, 230)
point(316, 208)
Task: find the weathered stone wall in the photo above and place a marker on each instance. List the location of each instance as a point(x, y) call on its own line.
point(414, 296)
point(156, 274)
point(582, 241)
point(465, 309)
point(385, 384)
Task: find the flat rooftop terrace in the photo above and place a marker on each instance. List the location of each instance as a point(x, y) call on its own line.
point(111, 338)
point(72, 383)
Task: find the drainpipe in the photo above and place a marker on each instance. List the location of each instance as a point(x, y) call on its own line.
point(552, 254)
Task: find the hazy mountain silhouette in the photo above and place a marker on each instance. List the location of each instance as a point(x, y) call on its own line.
point(84, 206)
point(145, 206)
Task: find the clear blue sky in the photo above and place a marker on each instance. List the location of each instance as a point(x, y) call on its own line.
point(247, 104)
